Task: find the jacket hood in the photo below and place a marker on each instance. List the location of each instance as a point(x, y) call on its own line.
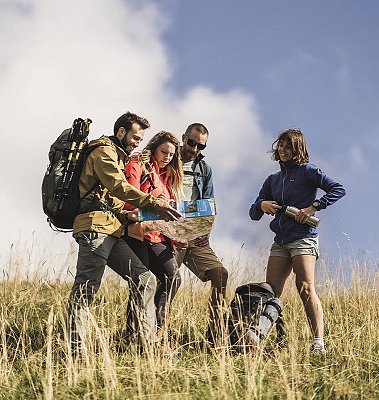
point(118, 143)
point(108, 141)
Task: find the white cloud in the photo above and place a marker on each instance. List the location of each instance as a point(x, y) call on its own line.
point(98, 59)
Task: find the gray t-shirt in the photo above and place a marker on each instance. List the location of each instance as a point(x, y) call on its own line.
point(190, 190)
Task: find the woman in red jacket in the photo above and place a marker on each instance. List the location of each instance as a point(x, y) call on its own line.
point(157, 170)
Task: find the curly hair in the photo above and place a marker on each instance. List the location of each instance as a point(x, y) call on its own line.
point(295, 138)
point(126, 121)
point(174, 168)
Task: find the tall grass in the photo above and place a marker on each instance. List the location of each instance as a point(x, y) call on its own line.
point(35, 361)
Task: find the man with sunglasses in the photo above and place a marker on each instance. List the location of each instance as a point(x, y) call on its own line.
point(198, 256)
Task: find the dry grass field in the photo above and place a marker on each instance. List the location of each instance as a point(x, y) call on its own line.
point(35, 361)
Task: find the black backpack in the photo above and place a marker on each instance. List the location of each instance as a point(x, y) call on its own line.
point(253, 312)
point(60, 185)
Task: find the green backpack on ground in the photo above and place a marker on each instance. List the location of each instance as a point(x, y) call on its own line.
point(60, 185)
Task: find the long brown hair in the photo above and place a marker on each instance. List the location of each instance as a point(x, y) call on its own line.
point(295, 138)
point(174, 169)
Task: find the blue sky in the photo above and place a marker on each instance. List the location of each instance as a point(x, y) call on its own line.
point(308, 64)
point(247, 69)
point(312, 63)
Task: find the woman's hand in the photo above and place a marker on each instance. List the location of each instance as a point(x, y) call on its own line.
point(270, 207)
point(162, 196)
point(304, 214)
point(165, 210)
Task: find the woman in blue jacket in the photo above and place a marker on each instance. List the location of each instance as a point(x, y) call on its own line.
point(295, 246)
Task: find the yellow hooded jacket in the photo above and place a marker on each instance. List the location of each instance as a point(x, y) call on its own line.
point(106, 164)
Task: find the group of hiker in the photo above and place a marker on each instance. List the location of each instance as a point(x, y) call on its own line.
point(116, 181)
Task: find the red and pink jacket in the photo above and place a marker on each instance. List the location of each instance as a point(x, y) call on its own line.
point(157, 184)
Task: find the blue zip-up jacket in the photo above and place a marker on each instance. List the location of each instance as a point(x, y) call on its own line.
point(295, 185)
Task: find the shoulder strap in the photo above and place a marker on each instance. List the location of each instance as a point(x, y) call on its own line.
point(91, 190)
point(202, 173)
point(202, 167)
point(88, 152)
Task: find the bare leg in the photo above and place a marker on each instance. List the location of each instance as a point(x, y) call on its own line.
point(304, 269)
point(278, 270)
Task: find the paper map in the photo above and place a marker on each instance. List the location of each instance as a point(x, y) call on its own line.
point(185, 229)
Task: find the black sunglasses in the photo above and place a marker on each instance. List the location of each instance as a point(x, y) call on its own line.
point(193, 143)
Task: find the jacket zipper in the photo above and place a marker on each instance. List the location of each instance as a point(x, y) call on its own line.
point(280, 218)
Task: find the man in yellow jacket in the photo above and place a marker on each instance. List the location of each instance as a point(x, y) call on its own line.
point(99, 225)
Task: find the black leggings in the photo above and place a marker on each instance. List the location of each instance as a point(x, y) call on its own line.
point(160, 260)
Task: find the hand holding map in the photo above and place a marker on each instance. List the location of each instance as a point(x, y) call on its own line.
point(198, 219)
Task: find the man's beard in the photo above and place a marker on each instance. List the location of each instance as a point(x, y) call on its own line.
point(188, 156)
point(127, 147)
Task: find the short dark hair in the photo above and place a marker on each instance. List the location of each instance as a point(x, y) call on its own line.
point(126, 121)
point(197, 126)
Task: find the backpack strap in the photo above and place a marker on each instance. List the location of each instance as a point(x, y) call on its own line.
point(202, 165)
point(202, 173)
point(91, 190)
point(88, 152)
point(95, 204)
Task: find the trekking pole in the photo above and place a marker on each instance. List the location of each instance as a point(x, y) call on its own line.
point(84, 131)
point(78, 136)
point(73, 136)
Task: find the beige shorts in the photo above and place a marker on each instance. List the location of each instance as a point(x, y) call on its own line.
point(296, 248)
point(198, 259)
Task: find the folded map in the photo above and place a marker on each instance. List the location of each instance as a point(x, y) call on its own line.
point(188, 209)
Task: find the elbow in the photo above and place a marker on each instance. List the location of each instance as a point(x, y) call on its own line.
point(341, 192)
point(254, 215)
point(255, 211)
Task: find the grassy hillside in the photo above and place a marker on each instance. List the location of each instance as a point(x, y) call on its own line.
point(35, 362)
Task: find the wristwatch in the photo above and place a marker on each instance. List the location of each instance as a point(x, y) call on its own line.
point(317, 205)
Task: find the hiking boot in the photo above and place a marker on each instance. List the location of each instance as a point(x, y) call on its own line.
point(317, 350)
